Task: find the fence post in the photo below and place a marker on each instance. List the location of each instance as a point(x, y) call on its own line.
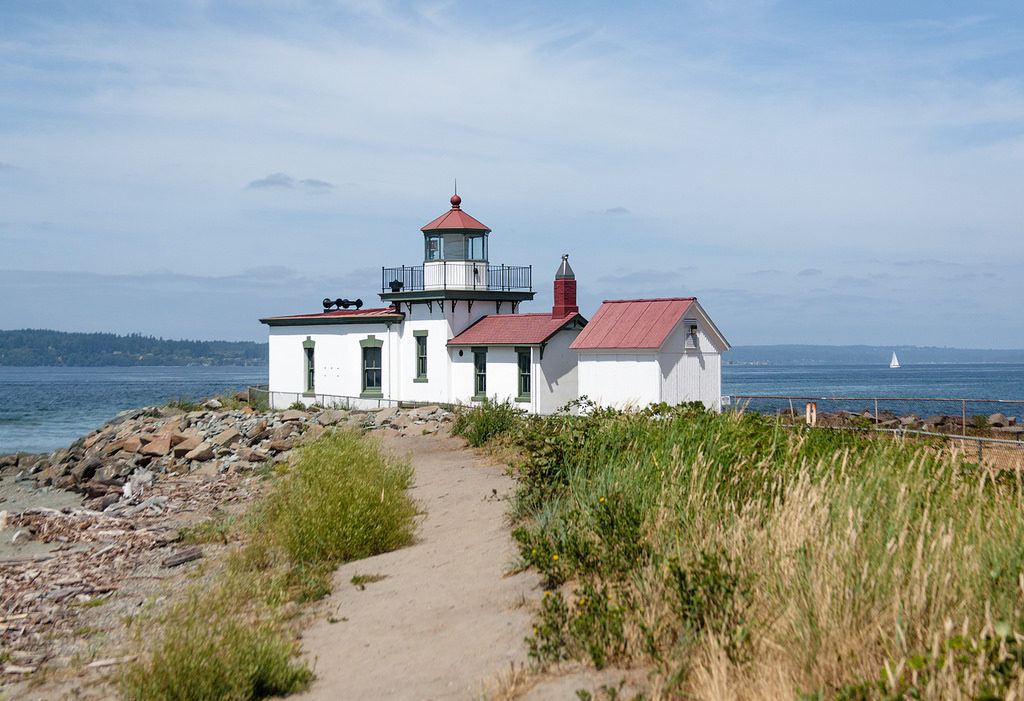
point(963, 417)
point(980, 454)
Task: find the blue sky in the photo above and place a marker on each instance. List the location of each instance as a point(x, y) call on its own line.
point(826, 172)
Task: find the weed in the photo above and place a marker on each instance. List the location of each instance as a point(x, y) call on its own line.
point(361, 580)
point(185, 404)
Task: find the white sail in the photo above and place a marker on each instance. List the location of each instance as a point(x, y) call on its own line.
point(894, 363)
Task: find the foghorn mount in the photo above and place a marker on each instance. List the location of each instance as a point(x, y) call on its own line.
point(341, 303)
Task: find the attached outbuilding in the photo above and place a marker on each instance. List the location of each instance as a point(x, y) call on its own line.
point(638, 351)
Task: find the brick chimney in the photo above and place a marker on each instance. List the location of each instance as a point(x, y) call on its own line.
point(565, 291)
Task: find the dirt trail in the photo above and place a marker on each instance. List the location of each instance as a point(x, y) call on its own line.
point(446, 620)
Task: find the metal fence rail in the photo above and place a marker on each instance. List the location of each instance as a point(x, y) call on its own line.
point(959, 434)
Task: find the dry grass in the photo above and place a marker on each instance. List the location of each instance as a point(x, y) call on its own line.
point(774, 562)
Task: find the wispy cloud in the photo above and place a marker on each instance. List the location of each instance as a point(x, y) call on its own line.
point(283, 180)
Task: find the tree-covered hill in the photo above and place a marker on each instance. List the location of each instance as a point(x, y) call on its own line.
point(33, 347)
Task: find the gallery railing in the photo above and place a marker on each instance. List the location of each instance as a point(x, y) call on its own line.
point(457, 275)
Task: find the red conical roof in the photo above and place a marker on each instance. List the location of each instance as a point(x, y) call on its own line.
point(455, 220)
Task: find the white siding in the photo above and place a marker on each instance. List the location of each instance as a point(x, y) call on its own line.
point(691, 374)
point(556, 378)
point(435, 389)
point(337, 359)
point(629, 379)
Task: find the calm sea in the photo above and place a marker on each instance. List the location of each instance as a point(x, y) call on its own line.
point(45, 408)
point(935, 380)
point(42, 409)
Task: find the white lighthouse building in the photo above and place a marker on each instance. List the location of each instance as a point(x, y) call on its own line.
point(453, 334)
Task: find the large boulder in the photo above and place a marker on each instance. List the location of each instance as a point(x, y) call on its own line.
point(998, 420)
point(227, 437)
point(158, 447)
point(187, 445)
point(202, 452)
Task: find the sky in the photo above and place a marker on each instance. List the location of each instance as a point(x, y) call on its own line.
point(813, 172)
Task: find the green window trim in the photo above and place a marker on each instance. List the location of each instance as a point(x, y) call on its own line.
point(524, 375)
point(372, 368)
point(479, 373)
point(309, 366)
point(421, 355)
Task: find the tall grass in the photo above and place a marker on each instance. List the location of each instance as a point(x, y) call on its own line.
point(740, 558)
point(230, 639)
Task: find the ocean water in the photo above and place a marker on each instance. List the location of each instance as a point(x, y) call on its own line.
point(42, 409)
point(45, 408)
point(973, 381)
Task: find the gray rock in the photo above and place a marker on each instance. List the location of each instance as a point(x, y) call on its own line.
point(998, 421)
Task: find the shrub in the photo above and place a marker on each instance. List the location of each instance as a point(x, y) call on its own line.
point(492, 418)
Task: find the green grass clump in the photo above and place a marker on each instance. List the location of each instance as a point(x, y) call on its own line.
point(341, 501)
point(185, 404)
point(211, 647)
point(490, 419)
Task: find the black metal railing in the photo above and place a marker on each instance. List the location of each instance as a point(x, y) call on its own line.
point(458, 276)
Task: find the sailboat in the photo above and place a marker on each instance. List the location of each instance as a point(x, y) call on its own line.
point(895, 362)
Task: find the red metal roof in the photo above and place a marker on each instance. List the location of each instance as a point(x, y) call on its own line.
point(455, 218)
point(632, 323)
point(512, 330)
point(340, 314)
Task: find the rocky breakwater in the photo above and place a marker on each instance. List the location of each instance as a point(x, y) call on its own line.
point(113, 463)
point(91, 533)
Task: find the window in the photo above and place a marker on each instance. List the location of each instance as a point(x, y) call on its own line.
point(523, 360)
point(435, 248)
point(371, 366)
point(421, 356)
point(479, 373)
point(476, 248)
point(307, 349)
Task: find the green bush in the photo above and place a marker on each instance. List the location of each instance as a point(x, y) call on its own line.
point(490, 419)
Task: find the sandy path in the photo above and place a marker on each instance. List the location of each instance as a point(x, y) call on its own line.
point(446, 620)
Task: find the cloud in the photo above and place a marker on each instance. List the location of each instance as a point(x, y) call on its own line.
point(616, 210)
point(809, 272)
point(8, 167)
point(287, 182)
point(272, 180)
point(314, 184)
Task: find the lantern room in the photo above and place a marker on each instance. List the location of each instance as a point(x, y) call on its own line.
point(455, 236)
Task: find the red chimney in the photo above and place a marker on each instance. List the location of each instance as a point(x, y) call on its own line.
point(565, 291)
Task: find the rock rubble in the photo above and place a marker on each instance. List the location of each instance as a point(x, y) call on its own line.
point(162, 440)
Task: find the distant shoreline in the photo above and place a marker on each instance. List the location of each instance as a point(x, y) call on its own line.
point(46, 348)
